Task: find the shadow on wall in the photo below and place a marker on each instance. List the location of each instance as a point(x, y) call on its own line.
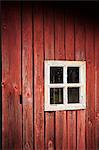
point(85, 10)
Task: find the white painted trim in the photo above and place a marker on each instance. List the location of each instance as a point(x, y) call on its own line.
point(74, 84)
point(55, 107)
point(65, 85)
point(56, 85)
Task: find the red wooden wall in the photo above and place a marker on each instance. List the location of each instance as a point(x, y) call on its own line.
point(30, 34)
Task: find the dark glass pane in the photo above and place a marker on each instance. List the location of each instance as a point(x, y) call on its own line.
point(56, 95)
point(56, 74)
point(73, 75)
point(73, 95)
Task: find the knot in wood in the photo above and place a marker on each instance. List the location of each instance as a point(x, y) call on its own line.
point(16, 88)
point(90, 123)
point(28, 94)
point(27, 146)
point(50, 144)
point(3, 84)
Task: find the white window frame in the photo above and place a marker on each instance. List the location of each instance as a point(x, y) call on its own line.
point(65, 85)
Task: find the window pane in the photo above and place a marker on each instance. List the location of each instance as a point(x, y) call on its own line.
point(56, 74)
point(56, 95)
point(73, 75)
point(73, 95)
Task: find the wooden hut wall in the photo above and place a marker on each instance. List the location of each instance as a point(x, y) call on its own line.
point(30, 34)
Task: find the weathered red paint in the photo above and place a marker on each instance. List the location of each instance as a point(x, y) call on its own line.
point(11, 77)
point(71, 115)
point(27, 76)
point(90, 114)
point(80, 55)
point(60, 116)
point(97, 86)
point(38, 79)
point(38, 33)
point(49, 55)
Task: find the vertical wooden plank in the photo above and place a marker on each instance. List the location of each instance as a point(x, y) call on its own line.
point(90, 115)
point(11, 77)
point(38, 79)
point(27, 76)
point(69, 42)
point(69, 36)
point(60, 116)
point(49, 55)
point(97, 85)
point(80, 55)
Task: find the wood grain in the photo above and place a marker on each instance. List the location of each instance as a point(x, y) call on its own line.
point(80, 55)
point(38, 79)
point(27, 76)
point(60, 116)
point(97, 85)
point(29, 38)
point(69, 48)
point(90, 114)
point(49, 55)
point(11, 77)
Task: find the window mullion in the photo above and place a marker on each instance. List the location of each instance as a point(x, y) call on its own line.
point(74, 84)
point(65, 74)
point(65, 82)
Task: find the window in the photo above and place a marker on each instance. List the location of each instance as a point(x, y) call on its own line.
point(65, 85)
